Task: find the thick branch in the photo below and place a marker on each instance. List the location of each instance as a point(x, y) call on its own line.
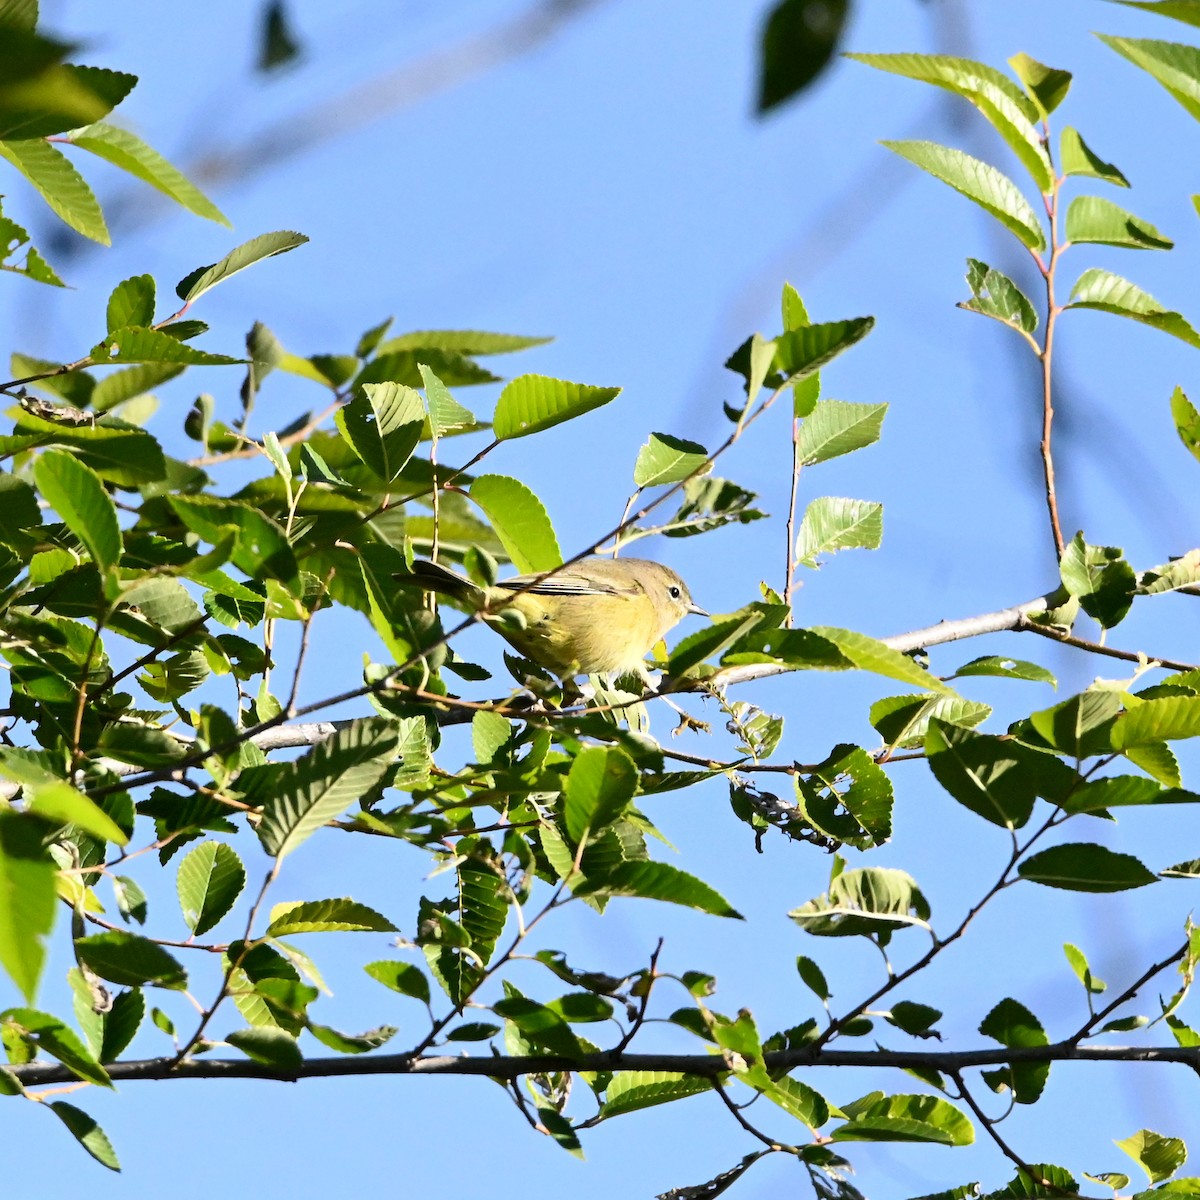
point(512, 1067)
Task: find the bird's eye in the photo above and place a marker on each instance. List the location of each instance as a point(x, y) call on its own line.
point(674, 592)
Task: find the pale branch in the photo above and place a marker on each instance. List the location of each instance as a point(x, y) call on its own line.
point(706, 1066)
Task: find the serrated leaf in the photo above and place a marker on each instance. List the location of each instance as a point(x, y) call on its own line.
point(120, 386)
point(980, 182)
point(400, 977)
point(320, 785)
point(1166, 719)
point(1083, 971)
point(131, 960)
point(520, 520)
point(326, 916)
point(268, 1045)
point(446, 415)
point(131, 303)
point(801, 352)
point(1012, 1024)
point(658, 881)
point(266, 245)
point(210, 879)
point(1078, 159)
point(868, 654)
point(833, 523)
point(75, 492)
point(531, 403)
point(123, 149)
point(598, 789)
point(47, 1033)
point(347, 1043)
point(1099, 221)
point(60, 185)
point(87, 1133)
point(864, 901)
point(1009, 111)
point(1160, 1157)
point(666, 459)
point(905, 1119)
point(1007, 668)
point(1175, 66)
point(629, 1091)
point(1085, 867)
point(382, 425)
point(1046, 86)
point(1187, 421)
point(135, 344)
point(1106, 292)
point(994, 295)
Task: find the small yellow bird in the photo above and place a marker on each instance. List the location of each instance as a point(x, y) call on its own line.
point(599, 616)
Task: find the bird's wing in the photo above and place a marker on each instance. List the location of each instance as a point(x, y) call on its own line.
point(566, 583)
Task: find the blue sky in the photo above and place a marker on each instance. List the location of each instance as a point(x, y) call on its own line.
point(612, 189)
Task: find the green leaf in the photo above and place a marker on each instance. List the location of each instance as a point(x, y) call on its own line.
point(1081, 726)
point(131, 303)
point(666, 459)
point(520, 520)
point(1047, 86)
point(658, 881)
point(1187, 11)
point(531, 403)
point(134, 344)
point(1012, 1024)
point(799, 38)
point(991, 776)
point(309, 791)
point(60, 185)
point(128, 959)
point(1083, 971)
point(1078, 159)
point(461, 341)
point(994, 295)
point(266, 245)
point(1106, 292)
point(446, 415)
point(1005, 106)
point(813, 976)
point(1099, 221)
point(904, 1119)
point(598, 790)
point(119, 386)
point(799, 1100)
point(268, 1045)
point(1086, 867)
point(1175, 66)
point(58, 801)
point(1100, 579)
point(400, 977)
point(326, 916)
point(1187, 421)
point(993, 191)
point(489, 733)
point(1160, 1157)
point(837, 427)
point(1007, 668)
point(382, 425)
point(864, 901)
point(87, 1133)
point(123, 149)
point(27, 898)
point(832, 523)
point(75, 492)
point(801, 352)
point(210, 879)
point(629, 1091)
point(47, 1033)
point(870, 655)
point(903, 721)
point(1166, 719)
point(346, 1043)
point(913, 1018)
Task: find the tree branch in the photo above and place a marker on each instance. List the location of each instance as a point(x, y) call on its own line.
point(705, 1066)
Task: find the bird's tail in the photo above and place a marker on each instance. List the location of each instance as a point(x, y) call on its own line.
point(433, 577)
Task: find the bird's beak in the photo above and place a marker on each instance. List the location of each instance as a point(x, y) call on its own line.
point(695, 608)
